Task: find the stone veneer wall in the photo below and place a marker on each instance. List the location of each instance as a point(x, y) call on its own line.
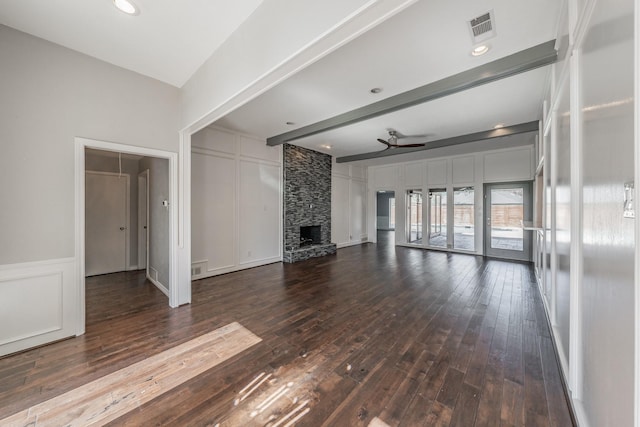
point(307, 200)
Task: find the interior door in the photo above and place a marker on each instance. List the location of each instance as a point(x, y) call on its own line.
point(105, 223)
point(143, 219)
point(507, 206)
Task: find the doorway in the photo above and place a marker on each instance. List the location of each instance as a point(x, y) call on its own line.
point(165, 202)
point(507, 207)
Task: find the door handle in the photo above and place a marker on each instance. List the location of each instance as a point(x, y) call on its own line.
point(122, 228)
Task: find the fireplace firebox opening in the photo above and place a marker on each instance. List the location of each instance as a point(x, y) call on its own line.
point(310, 235)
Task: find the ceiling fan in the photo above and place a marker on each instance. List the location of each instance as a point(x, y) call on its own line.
point(392, 141)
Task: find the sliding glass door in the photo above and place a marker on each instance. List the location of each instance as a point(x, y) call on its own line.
point(507, 208)
point(464, 219)
point(438, 218)
point(414, 217)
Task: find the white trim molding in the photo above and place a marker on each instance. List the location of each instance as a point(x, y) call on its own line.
point(174, 284)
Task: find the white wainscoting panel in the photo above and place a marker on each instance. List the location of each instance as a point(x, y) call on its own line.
point(236, 202)
point(437, 172)
point(259, 212)
point(385, 177)
point(414, 175)
point(213, 215)
point(340, 205)
point(463, 171)
point(512, 165)
point(38, 303)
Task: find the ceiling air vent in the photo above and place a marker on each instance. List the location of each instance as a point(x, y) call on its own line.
point(482, 27)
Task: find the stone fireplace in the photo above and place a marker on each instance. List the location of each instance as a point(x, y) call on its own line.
point(307, 204)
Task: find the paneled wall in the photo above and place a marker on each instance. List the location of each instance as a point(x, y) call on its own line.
point(236, 205)
point(589, 286)
point(474, 169)
point(348, 204)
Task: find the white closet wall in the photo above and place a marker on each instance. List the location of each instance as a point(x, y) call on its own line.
point(348, 204)
point(236, 202)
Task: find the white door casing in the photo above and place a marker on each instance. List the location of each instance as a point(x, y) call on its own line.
point(179, 290)
point(143, 220)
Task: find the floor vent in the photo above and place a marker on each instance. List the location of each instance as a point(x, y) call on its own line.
point(482, 27)
point(198, 268)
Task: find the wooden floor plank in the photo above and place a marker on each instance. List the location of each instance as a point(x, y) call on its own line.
point(109, 397)
point(409, 336)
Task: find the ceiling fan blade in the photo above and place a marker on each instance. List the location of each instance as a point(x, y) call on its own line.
point(412, 145)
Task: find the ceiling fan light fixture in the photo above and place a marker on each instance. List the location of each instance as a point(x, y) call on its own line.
point(480, 50)
point(126, 6)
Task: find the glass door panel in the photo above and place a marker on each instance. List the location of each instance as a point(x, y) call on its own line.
point(507, 207)
point(392, 213)
point(464, 219)
point(414, 216)
point(438, 218)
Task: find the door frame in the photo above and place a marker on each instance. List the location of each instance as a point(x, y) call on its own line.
point(528, 216)
point(427, 219)
point(127, 218)
point(174, 283)
point(144, 175)
point(407, 223)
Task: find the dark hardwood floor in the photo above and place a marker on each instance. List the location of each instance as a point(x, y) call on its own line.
point(412, 337)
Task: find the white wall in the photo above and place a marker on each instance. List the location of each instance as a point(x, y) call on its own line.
point(158, 227)
point(50, 95)
point(473, 169)
point(588, 156)
point(348, 204)
point(236, 202)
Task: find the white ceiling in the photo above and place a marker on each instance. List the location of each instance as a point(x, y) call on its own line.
point(169, 40)
point(425, 43)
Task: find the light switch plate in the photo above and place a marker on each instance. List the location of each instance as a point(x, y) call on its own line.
point(629, 205)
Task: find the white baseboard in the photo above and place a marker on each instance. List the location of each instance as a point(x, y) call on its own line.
point(347, 244)
point(581, 415)
point(159, 285)
point(231, 268)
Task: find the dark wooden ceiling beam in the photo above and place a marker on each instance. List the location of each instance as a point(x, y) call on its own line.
point(519, 62)
point(456, 140)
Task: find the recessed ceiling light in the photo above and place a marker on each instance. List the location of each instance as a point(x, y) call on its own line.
point(499, 126)
point(480, 50)
point(325, 146)
point(126, 6)
point(376, 90)
point(290, 123)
